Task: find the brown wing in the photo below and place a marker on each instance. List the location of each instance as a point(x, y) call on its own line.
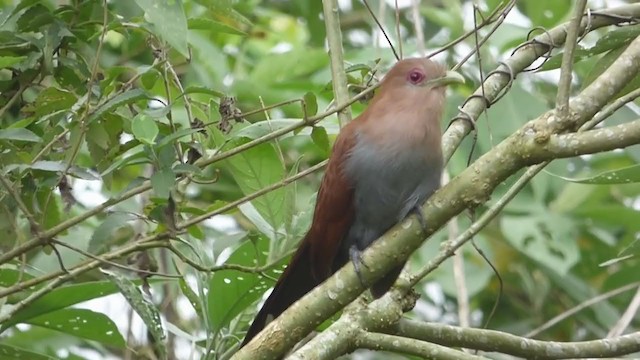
point(312, 262)
point(334, 210)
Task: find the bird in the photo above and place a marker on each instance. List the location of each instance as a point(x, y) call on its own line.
point(384, 164)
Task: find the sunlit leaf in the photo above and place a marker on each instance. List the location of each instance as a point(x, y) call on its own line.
point(231, 291)
point(143, 307)
point(621, 176)
point(83, 323)
point(20, 134)
point(11, 352)
point(169, 20)
point(213, 26)
point(144, 128)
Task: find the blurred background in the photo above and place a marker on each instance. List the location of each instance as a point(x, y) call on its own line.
point(95, 99)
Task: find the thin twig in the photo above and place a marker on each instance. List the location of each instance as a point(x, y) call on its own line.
point(417, 24)
point(627, 317)
point(33, 223)
point(381, 28)
point(490, 19)
point(564, 86)
point(331, 13)
point(113, 263)
point(398, 34)
point(494, 28)
point(583, 305)
point(212, 269)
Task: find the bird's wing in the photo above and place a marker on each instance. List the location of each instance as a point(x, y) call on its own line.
point(312, 262)
point(334, 210)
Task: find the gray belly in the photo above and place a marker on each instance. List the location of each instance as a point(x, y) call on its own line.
point(387, 189)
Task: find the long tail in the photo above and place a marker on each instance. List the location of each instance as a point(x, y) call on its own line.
point(295, 282)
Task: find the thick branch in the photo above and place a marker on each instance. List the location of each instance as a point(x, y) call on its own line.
point(491, 340)
point(588, 142)
point(425, 350)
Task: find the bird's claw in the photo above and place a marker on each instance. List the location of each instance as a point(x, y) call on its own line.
point(423, 223)
point(356, 258)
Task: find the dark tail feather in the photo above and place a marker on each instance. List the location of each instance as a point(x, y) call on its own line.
point(295, 282)
point(383, 285)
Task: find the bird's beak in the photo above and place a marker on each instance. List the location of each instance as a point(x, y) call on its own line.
point(451, 77)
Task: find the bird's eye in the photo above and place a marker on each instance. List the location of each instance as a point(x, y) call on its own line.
point(415, 76)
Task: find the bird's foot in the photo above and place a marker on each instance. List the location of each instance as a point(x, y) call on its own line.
point(356, 258)
point(423, 222)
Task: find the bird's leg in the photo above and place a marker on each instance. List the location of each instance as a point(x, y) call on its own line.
point(356, 258)
point(423, 222)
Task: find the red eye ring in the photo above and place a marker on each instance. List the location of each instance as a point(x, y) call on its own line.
point(415, 76)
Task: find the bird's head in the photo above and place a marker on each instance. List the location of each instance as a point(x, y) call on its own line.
point(419, 75)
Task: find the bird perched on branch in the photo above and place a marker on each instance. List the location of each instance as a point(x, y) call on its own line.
point(384, 165)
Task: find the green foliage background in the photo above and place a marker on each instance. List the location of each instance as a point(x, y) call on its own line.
point(137, 91)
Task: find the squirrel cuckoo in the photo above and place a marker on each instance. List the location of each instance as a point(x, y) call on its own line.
point(384, 165)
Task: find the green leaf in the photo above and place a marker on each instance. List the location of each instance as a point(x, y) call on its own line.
point(12, 352)
point(21, 134)
point(8, 61)
point(276, 68)
point(169, 139)
point(447, 17)
point(61, 298)
point(193, 298)
point(54, 166)
point(213, 26)
point(144, 128)
point(149, 78)
point(136, 157)
point(320, 138)
point(51, 100)
point(187, 169)
point(311, 104)
point(232, 291)
point(255, 169)
point(105, 231)
point(626, 175)
point(10, 277)
point(262, 128)
point(98, 135)
point(169, 20)
point(602, 65)
point(222, 10)
point(162, 182)
point(545, 13)
point(203, 90)
point(546, 238)
point(50, 210)
point(124, 98)
point(82, 323)
point(580, 291)
point(146, 309)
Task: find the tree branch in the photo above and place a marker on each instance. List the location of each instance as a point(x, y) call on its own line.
point(423, 349)
point(491, 340)
point(564, 86)
point(338, 75)
point(523, 57)
point(588, 142)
